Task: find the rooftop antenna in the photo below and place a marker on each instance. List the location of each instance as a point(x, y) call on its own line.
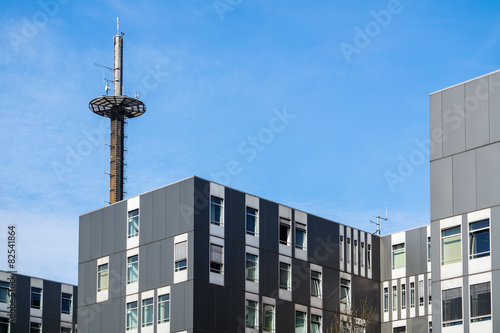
point(378, 222)
point(118, 108)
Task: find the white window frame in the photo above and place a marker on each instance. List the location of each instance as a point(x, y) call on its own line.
point(147, 308)
point(130, 310)
point(130, 222)
point(256, 266)
point(302, 228)
point(215, 260)
point(162, 303)
point(285, 223)
point(178, 259)
point(473, 256)
point(288, 270)
point(255, 216)
point(255, 308)
point(220, 204)
point(131, 265)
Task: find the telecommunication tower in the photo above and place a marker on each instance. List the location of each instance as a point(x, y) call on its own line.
point(118, 108)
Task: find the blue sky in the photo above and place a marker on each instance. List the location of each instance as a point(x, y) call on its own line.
point(322, 106)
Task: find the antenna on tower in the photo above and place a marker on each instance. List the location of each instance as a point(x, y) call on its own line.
point(378, 222)
point(118, 108)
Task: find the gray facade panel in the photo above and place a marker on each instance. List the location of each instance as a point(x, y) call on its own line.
point(413, 252)
point(173, 210)
point(269, 225)
point(435, 249)
point(268, 273)
point(96, 232)
point(488, 177)
point(51, 302)
point(234, 265)
point(117, 281)
point(201, 205)
point(159, 214)
point(112, 315)
point(436, 305)
point(95, 316)
point(84, 238)
point(477, 128)
point(420, 324)
point(301, 275)
point(167, 260)
point(423, 249)
point(83, 319)
point(494, 235)
point(323, 242)
point(146, 218)
point(235, 214)
point(441, 189)
point(186, 199)
point(453, 120)
point(331, 289)
point(90, 282)
point(435, 126)
point(181, 298)
point(464, 182)
point(494, 101)
point(495, 297)
point(143, 268)
point(81, 284)
point(153, 265)
point(385, 259)
point(120, 226)
point(108, 229)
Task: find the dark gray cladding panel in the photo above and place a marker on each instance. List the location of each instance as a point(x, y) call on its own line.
point(222, 307)
point(385, 260)
point(117, 284)
point(74, 304)
point(413, 251)
point(375, 255)
point(234, 210)
point(143, 268)
point(112, 314)
point(159, 213)
point(23, 297)
point(152, 274)
point(419, 324)
point(95, 316)
point(172, 210)
point(201, 264)
point(201, 205)
point(366, 289)
point(323, 242)
point(90, 282)
point(181, 310)
point(285, 317)
point(167, 260)
point(234, 265)
point(204, 309)
point(120, 226)
point(96, 234)
point(268, 225)
point(81, 284)
point(84, 238)
point(331, 289)
point(51, 301)
point(186, 200)
point(146, 218)
point(301, 281)
point(108, 230)
point(268, 273)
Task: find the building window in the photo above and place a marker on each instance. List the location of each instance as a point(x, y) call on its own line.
point(394, 298)
point(452, 307)
point(412, 294)
point(315, 284)
point(398, 256)
point(66, 303)
point(285, 282)
point(362, 255)
point(102, 277)
point(386, 299)
point(345, 291)
point(268, 321)
point(429, 249)
point(65, 330)
point(348, 251)
point(341, 245)
point(216, 258)
point(251, 314)
point(315, 324)
point(300, 236)
point(131, 316)
point(429, 290)
point(4, 325)
point(430, 327)
point(35, 327)
point(163, 308)
point(147, 312)
point(452, 245)
point(181, 256)
point(132, 269)
point(369, 256)
point(251, 267)
point(355, 252)
point(133, 223)
point(300, 322)
point(252, 222)
point(421, 293)
point(284, 231)
point(479, 239)
point(216, 211)
point(36, 298)
point(4, 292)
point(480, 302)
point(401, 329)
point(403, 296)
